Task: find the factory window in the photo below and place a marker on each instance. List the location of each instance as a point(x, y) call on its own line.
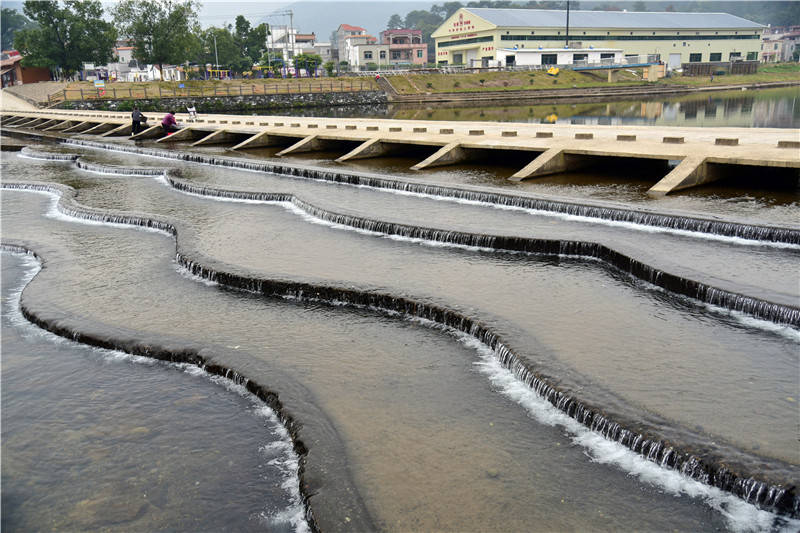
point(735, 55)
point(549, 59)
point(752, 56)
point(716, 56)
point(695, 58)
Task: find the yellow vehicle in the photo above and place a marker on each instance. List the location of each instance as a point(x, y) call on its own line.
point(553, 71)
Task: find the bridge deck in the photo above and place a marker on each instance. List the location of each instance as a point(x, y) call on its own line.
point(553, 148)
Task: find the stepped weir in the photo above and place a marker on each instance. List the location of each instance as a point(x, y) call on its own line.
point(703, 155)
point(387, 247)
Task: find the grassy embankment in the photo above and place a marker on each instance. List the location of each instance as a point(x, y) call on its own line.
point(516, 81)
point(507, 81)
point(419, 83)
point(766, 73)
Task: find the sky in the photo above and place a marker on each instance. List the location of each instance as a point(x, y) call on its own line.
point(319, 16)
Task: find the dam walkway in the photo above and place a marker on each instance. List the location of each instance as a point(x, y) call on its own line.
point(691, 156)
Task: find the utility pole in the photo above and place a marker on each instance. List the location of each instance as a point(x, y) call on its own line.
point(566, 44)
point(288, 47)
point(216, 57)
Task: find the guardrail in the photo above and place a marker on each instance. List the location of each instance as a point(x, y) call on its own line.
point(143, 93)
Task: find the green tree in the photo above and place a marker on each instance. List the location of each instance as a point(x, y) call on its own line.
point(447, 9)
point(68, 34)
point(329, 67)
point(395, 22)
point(11, 21)
point(309, 62)
point(218, 47)
point(162, 31)
point(250, 41)
point(427, 22)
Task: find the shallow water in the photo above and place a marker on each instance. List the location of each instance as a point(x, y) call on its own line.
point(639, 353)
point(638, 349)
point(97, 440)
point(428, 440)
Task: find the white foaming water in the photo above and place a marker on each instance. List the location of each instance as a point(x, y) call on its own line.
point(113, 174)
point(286, 462)
point(289, 206)
point(27, 156)
point(535, 212)
point(744, 319)
point(739, 515)
point(591, 220)
point(186, 273)
point(55, 213)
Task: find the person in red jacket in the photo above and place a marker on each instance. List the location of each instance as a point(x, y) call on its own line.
point(168, 123)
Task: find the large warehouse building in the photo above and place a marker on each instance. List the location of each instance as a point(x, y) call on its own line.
point(476, 36)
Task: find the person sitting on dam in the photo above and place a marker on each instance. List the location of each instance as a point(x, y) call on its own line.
point(169, 124)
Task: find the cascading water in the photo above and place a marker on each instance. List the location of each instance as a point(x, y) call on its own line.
point(659, 452)
point(671, 222)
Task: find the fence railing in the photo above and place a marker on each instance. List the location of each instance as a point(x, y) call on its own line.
point(251, 89)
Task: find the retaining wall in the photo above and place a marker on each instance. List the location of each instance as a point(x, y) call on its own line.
point(217, 104)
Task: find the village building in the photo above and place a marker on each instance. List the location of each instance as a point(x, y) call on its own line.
point(13, 73)
point(474, 37)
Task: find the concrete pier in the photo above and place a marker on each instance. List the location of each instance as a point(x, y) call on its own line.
point(553, 148)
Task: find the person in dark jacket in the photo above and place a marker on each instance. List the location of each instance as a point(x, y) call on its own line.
point(169, 123)
point(137, 118)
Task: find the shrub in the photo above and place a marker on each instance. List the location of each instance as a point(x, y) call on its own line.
point(481, 80)
point(505, 84)
point(457, 84)
point(429, 85)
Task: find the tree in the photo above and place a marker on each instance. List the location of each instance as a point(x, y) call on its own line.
point(11, 21)
point(250, 41)
point(310, 62)
point(329, 67)
point(67, 35)
point(218, 47)
point(162, 31)
point(640, 6)
point(425, 21)
point(395, 22)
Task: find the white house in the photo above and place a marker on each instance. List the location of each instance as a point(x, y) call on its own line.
point(523, 57)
